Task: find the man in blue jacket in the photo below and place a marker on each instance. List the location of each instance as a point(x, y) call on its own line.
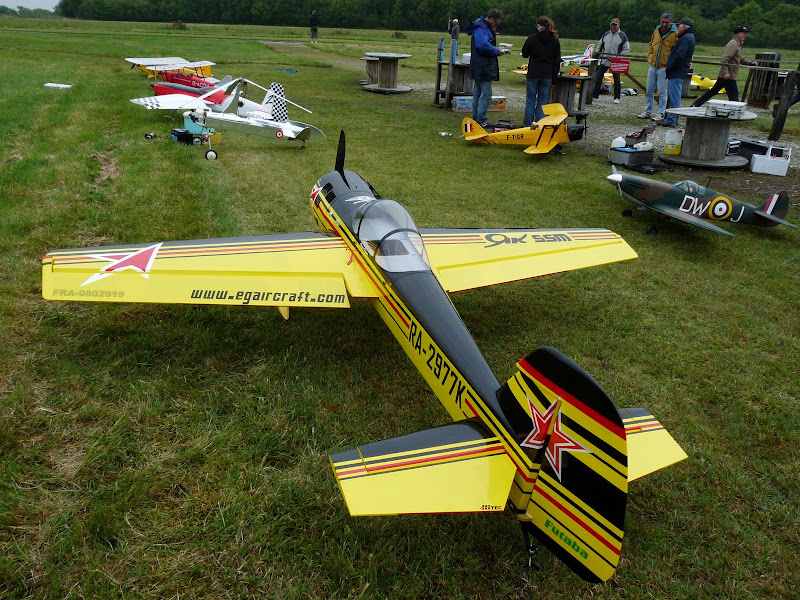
point(678, 64)
point(483, 65)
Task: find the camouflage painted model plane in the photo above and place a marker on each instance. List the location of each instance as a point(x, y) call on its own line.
point(549, 442)
point(691, 203)
point(541, 137)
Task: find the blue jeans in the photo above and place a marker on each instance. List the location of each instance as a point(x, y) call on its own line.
point(536, 94)
point(481, 95)
point(656, 80)
point(675, 87)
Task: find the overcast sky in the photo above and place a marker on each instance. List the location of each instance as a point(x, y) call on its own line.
point(46, 4)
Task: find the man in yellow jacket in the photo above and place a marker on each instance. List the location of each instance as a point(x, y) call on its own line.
point(729, 71)
point(662, 40)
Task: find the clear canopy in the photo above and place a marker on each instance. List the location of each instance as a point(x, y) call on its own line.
point(386, 230)
point(690, 187)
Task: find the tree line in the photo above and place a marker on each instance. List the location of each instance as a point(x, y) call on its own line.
point(774, 23)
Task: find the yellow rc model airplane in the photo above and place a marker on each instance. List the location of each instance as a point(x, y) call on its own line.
point(549, 443)
point(541, 137)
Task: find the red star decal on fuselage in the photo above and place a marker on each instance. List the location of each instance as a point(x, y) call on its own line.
point(559, 443)
point(140, 260)
point(541, 424)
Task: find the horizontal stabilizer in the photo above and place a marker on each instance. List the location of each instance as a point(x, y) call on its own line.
point(455, 468)
point(774, 219)
point(650, 446)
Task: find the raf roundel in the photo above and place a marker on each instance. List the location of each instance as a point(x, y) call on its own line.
point(720, 208)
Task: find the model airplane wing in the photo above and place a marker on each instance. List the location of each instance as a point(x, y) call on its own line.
point(455, 468)
point(171, 102)
point(679, 215)
point(469, 258)
point(300, 269)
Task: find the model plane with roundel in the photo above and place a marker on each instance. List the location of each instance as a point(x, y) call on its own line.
point(548, 133)
point(549, 443)
point(689, 202)
point(270, 119)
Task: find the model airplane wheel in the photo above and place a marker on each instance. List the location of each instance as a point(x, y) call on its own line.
point(211, 155)
point(652, 230)
point(627, 213)
point(149, 136)
point(196, 141)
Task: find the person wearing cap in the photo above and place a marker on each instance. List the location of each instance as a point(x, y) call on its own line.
point(678, 64)
point(613, 43)
point(731, 59)
point(661, 41)
point(455, 29)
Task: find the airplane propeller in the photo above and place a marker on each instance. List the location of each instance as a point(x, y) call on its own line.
point(340, 158)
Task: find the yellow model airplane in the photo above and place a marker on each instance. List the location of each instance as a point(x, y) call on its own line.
point(541, 137)
point(549, 442)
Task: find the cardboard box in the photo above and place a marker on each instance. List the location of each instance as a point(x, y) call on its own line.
point(464, 103)
point(628, 157)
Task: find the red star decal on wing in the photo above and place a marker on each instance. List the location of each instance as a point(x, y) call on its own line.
point(559, 443)
point(140, 261)
point(541, 424)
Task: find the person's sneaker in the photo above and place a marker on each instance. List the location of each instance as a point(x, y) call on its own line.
point(616, 100)
point(658, 117)
point(644, 115)
point(663, 123)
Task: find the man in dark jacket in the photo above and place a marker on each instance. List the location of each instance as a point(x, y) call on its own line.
point(483, 65)
point(678, 63)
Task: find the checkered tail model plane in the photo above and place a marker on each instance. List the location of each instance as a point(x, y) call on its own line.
point(233, 112)
point(548, 445)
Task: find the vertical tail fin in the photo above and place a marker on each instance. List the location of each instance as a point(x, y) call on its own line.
point(471, 130)
point(577, 506)
point(776, 205)
point(275, 102)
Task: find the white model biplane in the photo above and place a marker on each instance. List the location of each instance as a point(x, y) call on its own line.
point(549, 444)
point(270, 119)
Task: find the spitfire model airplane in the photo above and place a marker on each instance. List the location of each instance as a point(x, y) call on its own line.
point(549, 442)
point(691, 203)
point(541, 137)
point(270, 119)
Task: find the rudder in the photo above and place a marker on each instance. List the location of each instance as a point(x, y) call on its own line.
point(577, 506)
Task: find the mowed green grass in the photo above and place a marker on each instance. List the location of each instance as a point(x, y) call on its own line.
point(155, 451)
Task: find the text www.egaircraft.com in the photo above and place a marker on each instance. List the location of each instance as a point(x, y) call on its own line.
point(271, 297)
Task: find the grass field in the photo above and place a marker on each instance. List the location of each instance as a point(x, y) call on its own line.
point(151, 451)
